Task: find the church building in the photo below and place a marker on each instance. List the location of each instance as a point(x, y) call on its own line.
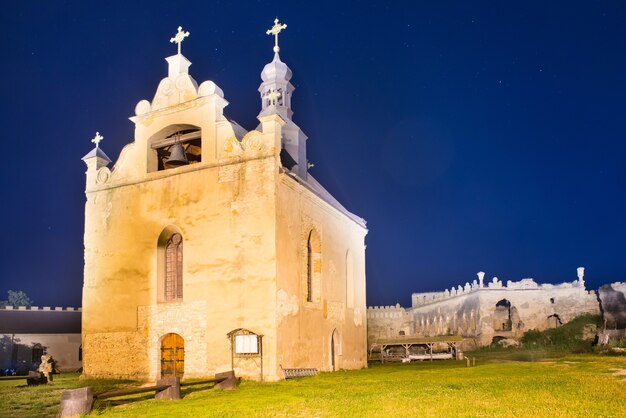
point(209, 247)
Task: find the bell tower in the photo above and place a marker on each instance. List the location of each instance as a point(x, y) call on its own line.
point(276, 90)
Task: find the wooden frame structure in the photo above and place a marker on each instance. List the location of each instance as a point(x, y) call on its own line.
point(245, 351)
point(407, 342)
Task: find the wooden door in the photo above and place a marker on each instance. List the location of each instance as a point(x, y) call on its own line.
point(172, 356)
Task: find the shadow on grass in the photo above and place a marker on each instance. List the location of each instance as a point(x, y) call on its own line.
point(104, 404)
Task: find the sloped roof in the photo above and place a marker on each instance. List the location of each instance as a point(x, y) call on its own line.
point(39, 321)
point(314, 186)
point(96, 152)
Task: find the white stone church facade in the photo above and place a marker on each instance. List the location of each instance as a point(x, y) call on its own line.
point(210, 247)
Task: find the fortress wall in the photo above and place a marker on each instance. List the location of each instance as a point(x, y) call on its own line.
point(482, 311)
point(613, 300)
point(388, 322)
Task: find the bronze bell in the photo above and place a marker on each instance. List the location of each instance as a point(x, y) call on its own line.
point(177, 155)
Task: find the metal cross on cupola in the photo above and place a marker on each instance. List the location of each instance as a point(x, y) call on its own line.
point(96, 139)
point(275, 30)
point(179, 37)
point(273, 96)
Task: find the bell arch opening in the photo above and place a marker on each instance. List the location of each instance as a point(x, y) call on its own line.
point(174, 146)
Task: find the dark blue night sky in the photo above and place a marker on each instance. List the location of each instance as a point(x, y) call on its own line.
point(470, 135)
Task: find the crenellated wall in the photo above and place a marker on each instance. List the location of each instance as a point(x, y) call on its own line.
point(42, 308)
point(480, 311)
point(388, 322)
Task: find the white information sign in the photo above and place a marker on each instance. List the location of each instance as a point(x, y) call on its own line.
point(246, 344)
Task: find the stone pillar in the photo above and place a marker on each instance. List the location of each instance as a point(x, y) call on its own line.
point(172, 393)
point(176, 65)
point(76, 402)
point(271, 126)
point(95, 160)
point(229, 383)
point(481, 277)
point(581, 276)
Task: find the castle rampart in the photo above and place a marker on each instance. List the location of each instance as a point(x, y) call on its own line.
point(482, 311)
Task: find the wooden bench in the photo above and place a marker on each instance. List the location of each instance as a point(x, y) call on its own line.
point(32, 379)
point(80, 401)
point(294, 373)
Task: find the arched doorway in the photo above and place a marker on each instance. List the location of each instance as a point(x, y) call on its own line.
point(335, 350)
point(172, 356)
point(502, 320)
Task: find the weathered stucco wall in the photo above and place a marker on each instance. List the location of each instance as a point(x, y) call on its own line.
point(306, 330)
point(224, 209)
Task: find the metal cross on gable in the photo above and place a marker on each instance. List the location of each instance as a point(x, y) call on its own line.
point(179, 37)
point(96, 139)
point(275, 30)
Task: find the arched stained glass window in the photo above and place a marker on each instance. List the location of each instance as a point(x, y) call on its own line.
point(174, 268)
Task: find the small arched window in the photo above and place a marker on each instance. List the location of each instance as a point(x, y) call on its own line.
point(174, 268)
point(313, 267)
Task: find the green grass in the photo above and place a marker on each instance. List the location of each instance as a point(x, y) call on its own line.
point(566, 337)
point(41, 401)
point(581, 385)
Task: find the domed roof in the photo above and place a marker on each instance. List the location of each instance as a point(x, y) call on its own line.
point(276, 70)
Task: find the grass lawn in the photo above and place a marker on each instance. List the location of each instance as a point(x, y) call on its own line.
point(583, 385)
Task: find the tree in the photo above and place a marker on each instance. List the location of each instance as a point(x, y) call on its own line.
point(16, 298)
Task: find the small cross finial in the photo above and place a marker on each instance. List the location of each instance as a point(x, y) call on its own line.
point(179, 37)
point(96, 139)
point(275, 30)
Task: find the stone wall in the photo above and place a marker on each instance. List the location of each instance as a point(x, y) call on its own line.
point(388, 322)
point(328, 332)
point(481, 312)
point(613, 302)
point(118, 355)
point(189, 320)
